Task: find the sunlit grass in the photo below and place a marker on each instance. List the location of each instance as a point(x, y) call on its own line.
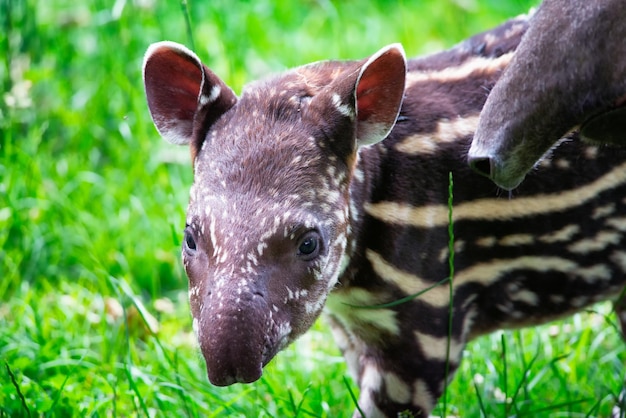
point(92, 207)
point(570, 368)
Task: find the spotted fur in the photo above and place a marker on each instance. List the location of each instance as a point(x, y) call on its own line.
point(328, 186)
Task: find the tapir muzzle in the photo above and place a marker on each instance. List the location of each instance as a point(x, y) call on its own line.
point(236, 341)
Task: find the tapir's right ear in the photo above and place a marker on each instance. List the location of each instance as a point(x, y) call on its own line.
point(185, 97)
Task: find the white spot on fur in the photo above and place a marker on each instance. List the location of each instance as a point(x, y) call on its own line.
point(459, 245)
point(370, 384)
point(344, 109)
point(422, 396)
point(253, 259)
point(315, 305)
point(447, 132)
point(598, 243)
point(525, 296)
point(603, 211)
point(562, 164)
point(436, 348)
point(618, 223)
point(562, 235)
point(397, 390)
point(591, 153)
point(619, 258)
point(194, 325)
point(594, 273)
point(358, 175)
point(260, 248)
point(215, 92)
point(515, 240)
point(345, 262)
point(486, 242)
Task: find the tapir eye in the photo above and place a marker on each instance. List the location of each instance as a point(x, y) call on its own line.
point(190, 242)
point(309, 246)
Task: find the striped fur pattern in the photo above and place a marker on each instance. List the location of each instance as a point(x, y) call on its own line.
point(302, 198)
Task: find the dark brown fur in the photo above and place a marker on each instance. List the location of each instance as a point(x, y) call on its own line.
point(300, 159)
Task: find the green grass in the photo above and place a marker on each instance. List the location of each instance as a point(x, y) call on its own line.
point(92, 209)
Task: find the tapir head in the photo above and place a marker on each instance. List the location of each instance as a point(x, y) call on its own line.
point(268, 222)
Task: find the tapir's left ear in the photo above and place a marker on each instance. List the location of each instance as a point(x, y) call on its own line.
point(379, 92)
point(185, 97)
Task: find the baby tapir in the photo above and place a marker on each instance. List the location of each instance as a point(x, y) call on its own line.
point(327, 185)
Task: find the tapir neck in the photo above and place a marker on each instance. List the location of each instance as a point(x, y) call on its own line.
point(365, 177)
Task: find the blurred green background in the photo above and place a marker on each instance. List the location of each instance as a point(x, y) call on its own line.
point(92, 208)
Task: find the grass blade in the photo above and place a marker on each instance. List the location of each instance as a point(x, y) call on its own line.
point(353, 397)
point(17, 389)
point(185, 9)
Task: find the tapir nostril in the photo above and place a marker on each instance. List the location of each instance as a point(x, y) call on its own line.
point(481, 165)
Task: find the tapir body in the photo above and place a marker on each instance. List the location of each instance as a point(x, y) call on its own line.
point(328, 185)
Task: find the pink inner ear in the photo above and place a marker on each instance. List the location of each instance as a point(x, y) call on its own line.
point(367, 100)
point(379, 94)
point(172, 81)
